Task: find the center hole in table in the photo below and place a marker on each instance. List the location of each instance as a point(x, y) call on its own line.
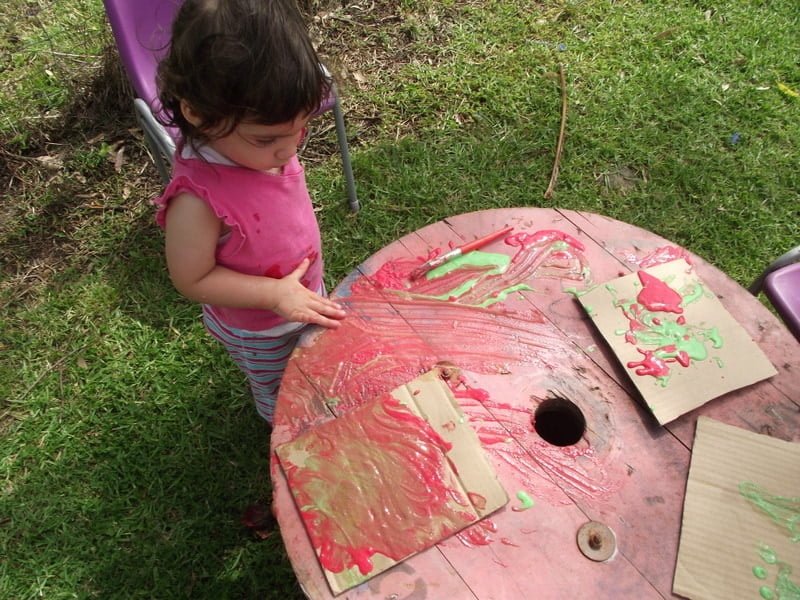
point(559, 421)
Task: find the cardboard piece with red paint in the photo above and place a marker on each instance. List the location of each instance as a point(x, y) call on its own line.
point(389, 479)
point(678, 343)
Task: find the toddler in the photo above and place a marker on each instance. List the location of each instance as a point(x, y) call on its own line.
point(241, 80)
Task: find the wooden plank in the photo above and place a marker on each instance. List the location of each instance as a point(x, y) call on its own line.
point(602, 477)
point(626, 471)
point(632, 245)
point(425, 575)
point(436, 335)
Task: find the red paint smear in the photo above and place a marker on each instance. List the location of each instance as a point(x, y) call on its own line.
point(274, 271)
point(473, 393)
point(393, 275)
point(477, 500)
point(574, 468)
point(491, 438)
point(478, 534)
point(526, 240)
point(657, 296)
point(497, 561)
point(508, 542)
point(392, 335)
point(339, 493)
point(390, 344)
point(649, 365)
point(663, 255)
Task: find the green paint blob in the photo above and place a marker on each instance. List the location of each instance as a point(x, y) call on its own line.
point(692, 292)
point(784, 511)
point(500, 263)
point(713, 336)
point(527, 501)
point(767, 554)
point(575, 292)
point(459, 291)
point(503, 294)
point(787, 589)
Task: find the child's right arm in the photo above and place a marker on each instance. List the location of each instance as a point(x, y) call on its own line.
point(192, 233)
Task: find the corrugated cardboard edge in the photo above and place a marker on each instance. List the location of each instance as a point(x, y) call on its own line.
point(721, 530)
point(747, 365)
point(429, 397)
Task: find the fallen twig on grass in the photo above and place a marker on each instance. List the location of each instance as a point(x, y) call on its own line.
point(560, 145)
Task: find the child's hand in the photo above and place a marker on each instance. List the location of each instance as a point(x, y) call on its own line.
point(299, 304)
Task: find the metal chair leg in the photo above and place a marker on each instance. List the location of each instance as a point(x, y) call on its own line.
point(341, 134)
point(159, 143)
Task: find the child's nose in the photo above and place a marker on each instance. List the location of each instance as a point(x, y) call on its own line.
point(286, 152)
point(290, 148)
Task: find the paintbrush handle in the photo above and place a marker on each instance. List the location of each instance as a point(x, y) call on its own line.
point(463, 249)
point(440, 260)
point(480, 242)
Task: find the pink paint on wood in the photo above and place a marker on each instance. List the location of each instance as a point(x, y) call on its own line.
point(628, 472)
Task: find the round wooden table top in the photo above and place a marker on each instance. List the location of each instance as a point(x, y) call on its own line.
point(520, 340)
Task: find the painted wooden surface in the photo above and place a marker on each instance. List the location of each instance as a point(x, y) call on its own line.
point(626, 471)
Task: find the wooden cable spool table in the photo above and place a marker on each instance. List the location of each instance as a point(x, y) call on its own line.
point(527, 352)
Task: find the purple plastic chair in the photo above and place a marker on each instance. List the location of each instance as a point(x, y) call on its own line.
point(141, 30)
point(780, 283)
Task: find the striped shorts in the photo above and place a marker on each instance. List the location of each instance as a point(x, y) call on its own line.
point(261, 357)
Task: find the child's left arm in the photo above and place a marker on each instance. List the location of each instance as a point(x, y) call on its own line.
point(192, 231)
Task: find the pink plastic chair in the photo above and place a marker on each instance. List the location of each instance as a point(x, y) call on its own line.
point(780, 283)
point(141, 30)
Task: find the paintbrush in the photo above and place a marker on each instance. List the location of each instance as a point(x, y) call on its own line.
point(455, 252)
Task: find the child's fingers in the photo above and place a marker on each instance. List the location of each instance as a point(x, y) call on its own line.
point(331, 308)
point(301, 269)
point(326, 313)
point(319, 319)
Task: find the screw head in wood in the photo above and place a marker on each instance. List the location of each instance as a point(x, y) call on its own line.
point(596, 541)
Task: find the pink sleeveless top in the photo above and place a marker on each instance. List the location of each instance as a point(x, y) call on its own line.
point(272, 225)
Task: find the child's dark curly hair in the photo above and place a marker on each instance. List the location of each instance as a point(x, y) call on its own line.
point(236, 60)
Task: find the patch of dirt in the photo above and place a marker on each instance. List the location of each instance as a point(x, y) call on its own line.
point(55, 183)
point(367, 41)
point(622, 180)
point(66, 174)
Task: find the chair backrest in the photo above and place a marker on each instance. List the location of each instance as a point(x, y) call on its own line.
point(141, 30)
point(782, 287)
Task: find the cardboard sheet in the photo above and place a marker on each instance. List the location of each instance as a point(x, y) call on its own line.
point(677, 342)
point(740, 536)
point(389, 479)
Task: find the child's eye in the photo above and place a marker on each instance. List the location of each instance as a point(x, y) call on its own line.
point(261, 142)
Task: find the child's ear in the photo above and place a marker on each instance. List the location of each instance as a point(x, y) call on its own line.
point(189, 114)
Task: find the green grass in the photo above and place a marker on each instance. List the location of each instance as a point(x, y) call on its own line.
point(129, 444)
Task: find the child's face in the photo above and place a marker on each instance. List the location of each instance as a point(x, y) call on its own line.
point(262, 147)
